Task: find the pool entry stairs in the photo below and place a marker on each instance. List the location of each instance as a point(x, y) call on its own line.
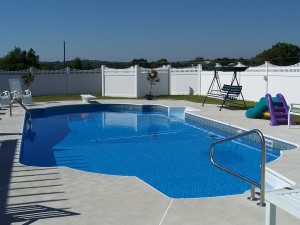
point(278, 111)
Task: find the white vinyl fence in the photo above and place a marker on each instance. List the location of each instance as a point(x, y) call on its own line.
point(57, 82)
point(268, 78)
point(186, 81)
point(119, 83)
point(132, 82)
point(160, 88)
point(256, 81)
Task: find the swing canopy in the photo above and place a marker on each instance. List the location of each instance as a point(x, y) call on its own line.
point(225, 68)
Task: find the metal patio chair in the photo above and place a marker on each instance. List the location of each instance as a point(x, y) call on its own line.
point(17, 92)
point(5, 98)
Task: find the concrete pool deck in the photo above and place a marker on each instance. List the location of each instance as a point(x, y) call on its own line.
point(34, 195)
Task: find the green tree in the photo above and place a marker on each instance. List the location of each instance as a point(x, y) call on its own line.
point(208, 64)
point(159, 63)
point(77, 63)
point(162, 61)
point(18, 59)
point(31, 59)
point(281, 54)
point(197, 60)
point(87, 66)
point(141, 62)
point(226, 61)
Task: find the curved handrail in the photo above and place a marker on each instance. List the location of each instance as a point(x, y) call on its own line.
point(261, 186)
point(19, 100)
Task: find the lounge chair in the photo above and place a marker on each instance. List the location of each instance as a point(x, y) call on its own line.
point(5, 98)
point(16, 92)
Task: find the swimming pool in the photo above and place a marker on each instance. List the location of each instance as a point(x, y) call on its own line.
point(152, 142)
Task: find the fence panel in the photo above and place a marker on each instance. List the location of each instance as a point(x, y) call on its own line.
point(143, 85)
point(284, 80)
point(160, 88)
point(85, 81)
point(120, 82)
point(6, 75)
point(53, 83)
point(57, 82)
point(185, 81)
point(254, 83)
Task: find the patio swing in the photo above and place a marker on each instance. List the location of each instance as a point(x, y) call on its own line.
point(228, 92)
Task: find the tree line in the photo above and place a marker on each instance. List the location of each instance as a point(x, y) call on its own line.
point(281, 54)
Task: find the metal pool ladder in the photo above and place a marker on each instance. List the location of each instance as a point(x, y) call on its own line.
point(261, 186)
point(19, 100)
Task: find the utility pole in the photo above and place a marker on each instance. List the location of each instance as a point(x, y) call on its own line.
point(64, 54)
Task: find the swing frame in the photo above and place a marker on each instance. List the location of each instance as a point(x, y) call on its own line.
point(227, 93)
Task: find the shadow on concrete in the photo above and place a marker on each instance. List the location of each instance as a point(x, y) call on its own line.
point(24, 190)
point(8, 134)
point(32, 213)
point(7, 152)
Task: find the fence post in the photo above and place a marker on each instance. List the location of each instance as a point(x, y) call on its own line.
point(169, 80)
point(31, 69)
point(136, 70)
point(266, 77)
point(103, 79)
point(199, 78)
point(239, 64)
point(68, 71)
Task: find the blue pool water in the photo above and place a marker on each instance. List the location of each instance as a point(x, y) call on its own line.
point(168, 153)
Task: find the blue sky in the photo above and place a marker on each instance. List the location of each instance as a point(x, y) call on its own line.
point(120, 30)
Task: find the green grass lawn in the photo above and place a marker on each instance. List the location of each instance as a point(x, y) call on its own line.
point(200, 99)
point(191, 98)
